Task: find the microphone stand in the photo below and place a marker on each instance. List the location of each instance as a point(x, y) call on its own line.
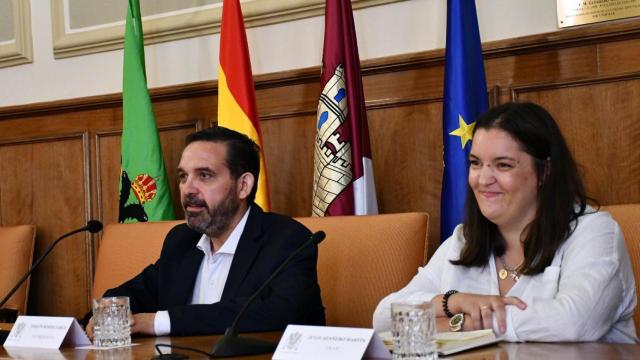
point(233, 345)
point(93, 226)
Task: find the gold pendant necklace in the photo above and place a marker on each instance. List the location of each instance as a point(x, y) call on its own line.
point(502, 274)
point(506, 271)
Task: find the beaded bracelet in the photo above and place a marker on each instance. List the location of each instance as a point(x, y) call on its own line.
point(445, 302)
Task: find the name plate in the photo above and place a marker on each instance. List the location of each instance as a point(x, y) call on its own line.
point(326, 342)
point(46, 332)
point(579, 12)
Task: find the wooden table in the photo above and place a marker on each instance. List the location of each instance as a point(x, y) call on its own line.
point(145, 349)
point(502, 351)
point(550, 351)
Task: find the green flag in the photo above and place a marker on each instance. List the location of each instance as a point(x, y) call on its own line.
point(144, 189)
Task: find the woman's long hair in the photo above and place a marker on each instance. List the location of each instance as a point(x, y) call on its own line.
point(561, 195)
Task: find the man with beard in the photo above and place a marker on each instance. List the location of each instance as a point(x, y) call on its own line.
point(210, 266)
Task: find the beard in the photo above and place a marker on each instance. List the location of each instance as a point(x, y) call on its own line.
point(214, 220)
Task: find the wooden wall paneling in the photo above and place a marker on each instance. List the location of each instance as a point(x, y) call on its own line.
point(600, 120)
point(288, 148)
point(406, 146)
point(493, 95)
point(107, 150)
point(619, 57)
point(287, 104)
point(550, 65)
point(286, 99)
point(44, 182)
point(194, 108)
point(403, 85)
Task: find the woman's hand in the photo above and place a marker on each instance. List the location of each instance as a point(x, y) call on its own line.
point(479, 309)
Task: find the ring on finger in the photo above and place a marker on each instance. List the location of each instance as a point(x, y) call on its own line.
point(484, 307)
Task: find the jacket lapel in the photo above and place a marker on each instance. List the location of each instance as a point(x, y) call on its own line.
point(184, 277)
point(248, 248)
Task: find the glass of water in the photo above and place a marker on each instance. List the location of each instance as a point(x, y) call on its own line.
point(414, 330)
point(111, 326)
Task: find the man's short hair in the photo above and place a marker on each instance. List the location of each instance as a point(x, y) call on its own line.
point(243, 154)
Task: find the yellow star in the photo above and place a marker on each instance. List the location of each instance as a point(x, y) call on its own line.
point(465, 132)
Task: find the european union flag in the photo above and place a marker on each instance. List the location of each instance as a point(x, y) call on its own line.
point(465, 98)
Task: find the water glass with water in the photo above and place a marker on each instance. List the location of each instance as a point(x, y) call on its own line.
point(414, 330)
point(111, 321)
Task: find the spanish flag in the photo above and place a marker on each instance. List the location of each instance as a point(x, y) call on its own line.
point(236, 98)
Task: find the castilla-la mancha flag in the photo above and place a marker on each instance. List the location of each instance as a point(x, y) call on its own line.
point(343, 172)
point(236, 98)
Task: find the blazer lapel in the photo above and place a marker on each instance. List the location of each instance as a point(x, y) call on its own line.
point(248, 248)
point(184, 277)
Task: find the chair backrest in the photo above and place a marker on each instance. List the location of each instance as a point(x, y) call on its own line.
point(365, 258)
point(628, 217)
point(125, 250)
point(16, 254)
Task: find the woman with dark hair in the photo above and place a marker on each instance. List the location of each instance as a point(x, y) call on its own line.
point(532, 260)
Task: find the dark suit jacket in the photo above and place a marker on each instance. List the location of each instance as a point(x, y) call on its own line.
point(292, 298)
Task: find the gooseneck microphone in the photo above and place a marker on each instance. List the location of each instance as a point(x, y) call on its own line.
point(233, 345)
point(93, 226)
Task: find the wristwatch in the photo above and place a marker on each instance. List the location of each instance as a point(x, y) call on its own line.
point(456, 322)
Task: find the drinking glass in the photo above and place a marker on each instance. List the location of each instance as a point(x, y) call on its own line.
point(414, 330)
point(111, 326)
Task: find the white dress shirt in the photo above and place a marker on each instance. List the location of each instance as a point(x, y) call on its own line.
point(586, 294)
point(212, 275)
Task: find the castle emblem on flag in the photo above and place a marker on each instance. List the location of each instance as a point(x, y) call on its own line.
point(332, 162)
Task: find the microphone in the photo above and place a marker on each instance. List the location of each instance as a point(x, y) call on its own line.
point(93, 226)
point(233, 345)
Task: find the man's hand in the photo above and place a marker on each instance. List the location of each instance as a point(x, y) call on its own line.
point(132, 320)
point(89, 329)
point(143, 324)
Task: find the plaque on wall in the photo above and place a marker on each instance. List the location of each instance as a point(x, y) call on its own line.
point(580, 12)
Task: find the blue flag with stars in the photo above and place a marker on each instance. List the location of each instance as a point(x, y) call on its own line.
point(465, 98)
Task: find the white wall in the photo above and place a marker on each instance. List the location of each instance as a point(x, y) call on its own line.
point(397, 28)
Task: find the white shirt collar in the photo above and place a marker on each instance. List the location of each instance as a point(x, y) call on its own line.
point(230, 245)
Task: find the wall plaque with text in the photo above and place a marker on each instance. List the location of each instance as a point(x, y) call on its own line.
point(579, 12)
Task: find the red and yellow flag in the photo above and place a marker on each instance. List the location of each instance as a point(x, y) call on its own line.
point(236, 98)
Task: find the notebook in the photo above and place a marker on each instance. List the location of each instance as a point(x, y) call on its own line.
point(453, 342)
